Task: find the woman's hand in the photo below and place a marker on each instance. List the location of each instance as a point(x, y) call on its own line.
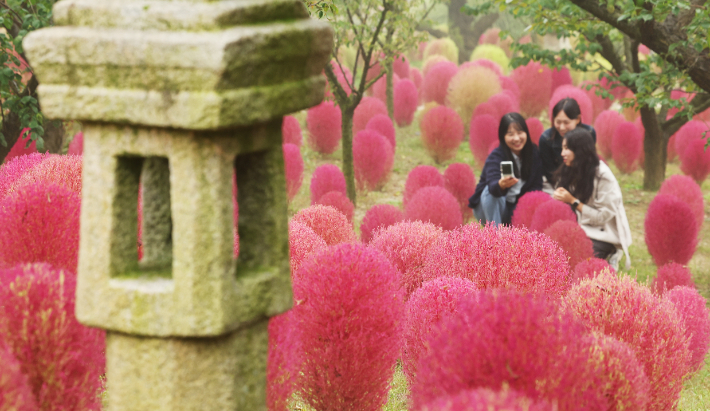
point(561, 194)
point(507, 182)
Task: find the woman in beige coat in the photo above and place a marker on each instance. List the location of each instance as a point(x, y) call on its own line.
point(590, 188)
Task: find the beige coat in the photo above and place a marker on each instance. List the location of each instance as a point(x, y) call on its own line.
point(603, 217)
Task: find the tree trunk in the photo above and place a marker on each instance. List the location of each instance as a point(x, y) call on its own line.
point(11, 130)
point(390, 91)
point(54, 134)
point(654, 148)
point(347, 113)
point(463, 30)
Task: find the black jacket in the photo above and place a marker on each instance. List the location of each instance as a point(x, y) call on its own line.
point(551, 149)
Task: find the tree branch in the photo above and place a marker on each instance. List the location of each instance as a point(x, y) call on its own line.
point(700, 103)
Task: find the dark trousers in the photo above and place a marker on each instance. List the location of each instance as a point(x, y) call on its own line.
point(603, 249)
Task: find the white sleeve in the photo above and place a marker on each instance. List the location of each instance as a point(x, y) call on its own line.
point(600, 209)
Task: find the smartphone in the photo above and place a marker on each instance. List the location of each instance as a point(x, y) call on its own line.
point(506, 169)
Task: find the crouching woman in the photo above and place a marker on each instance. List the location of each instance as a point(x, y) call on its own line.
point(497, 195)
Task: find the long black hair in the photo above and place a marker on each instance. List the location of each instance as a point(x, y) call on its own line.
point(579, 178)
point(571, 109)
point(526, 154)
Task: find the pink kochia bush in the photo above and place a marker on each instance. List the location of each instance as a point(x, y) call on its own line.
point(426, 306)
point(436, 81)
point(560, 77)
point(442, 133)
point(435, 205)
point(406, 100)
point(400, 65)
point(13, 169)
point(571, 238)
point(672, 275)
point(368, 108)
point(692, 130)
point(302, 241)
point(55, 169)
point(589, 269)
point(280, 371)
point(373, 159)
point(626, 147)
point(696, 318)
point(379, 217)
point(62, 359)
point(293, 163)
point(580, 96)
point(535, 128)
point(500, 257)
point(383, 125)
point(671, 230)
point(20, 148)
point(352, 310)
point(535, 84)
point(527, 205)
point(687, 191)
point(76, 147)
point(482, 133)
point(291, 131)
point(460, 181)
point(483, 399)
point(420, 177)
point(330, 224)
point(605, 125)
point(340, 202)
point(40, 223)
point(324, 127)
point(695, 161)
point(621, 308)
point(549, 213)
point(326, 178)
point(15, 392)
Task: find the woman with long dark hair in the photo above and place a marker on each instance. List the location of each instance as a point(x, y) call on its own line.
point(496, 195)
point(590, 188)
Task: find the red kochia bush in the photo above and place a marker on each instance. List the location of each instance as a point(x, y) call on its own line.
point(352, 311)
point(589, 269)
point(76, 147)
point(369, 107)
point(372, 160)
point(571, 238)
point(535, 128)
point(671, 230)
point(283, 352)
point(406, 245)
point(406, 100)
point(550, 212)
point(61, 170)
point(416, 76)
point(560, 77)
point(535, 83)
point(482, 133)
point(291, 131)
point(302, 241)
point(527, 205)
point(340, 202)
point(62, 359)
point(40, 223)
point(696, 318)
point(509, 85)
point(442, 133)
point(330, 224)
point(695, 161)
point(500, 257)
point(293, 163)
point(504, 337)
point(598, 102)
point(435, 205)
point(687, 191)
point(419, 177)
point(672, 275)
point(436, 81)
point(379, 217)
point(622, 308)
point(460, 181)
point(626, 146)
point(483, 399)
point(692, 130)
point(20, 147)
point(400, 65)
point(383, 125)
point(326, 178)
point(324, 127)
point(15, 392)
point(580, 96)
point(426, 307)
point(13, 169)
point(605, 125)
point(379, 89)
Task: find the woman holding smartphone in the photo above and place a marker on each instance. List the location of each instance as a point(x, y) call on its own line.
point(511, 170)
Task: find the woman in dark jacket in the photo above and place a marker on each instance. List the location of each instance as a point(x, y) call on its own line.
point(496, 197)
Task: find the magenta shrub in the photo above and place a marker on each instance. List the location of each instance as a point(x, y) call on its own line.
point(340, 202)
point(535, 83)
point(435, 205)
point(550, 212)
point(486, 108)
point(572, 239)
point(589, 269)
point(509, 85)
point(15, 392)
point(460, 181)
point(425, 308)
point(406, 100)
point(430, 62)
point(535, 128)
point(379, 89)
point(400, 65)
point(672, 275)
point(326, 178)
point(416, 76)
point(695, 316)
point(64, 171)
point(621, 308)
point(373, 159)
point(482, 133)
point(671, 231)
point(598, 102)
point(419, 177)
point(379, 217)
point(293, 163)
point(76, 147)
point(499, 257)
point(505, 103)
point(695, 161)
point(561, 77)
point(12, 170)
point(62, 359)
point(527, 205)
point(585, 104)
point(369, 107)
point(291, 131)
point(19, 148)
point(692, 130)
point(344, 77)
point(406, 245)
point(626, 147)
point(442, 133)
point(324, 123)
point(484, 399)
point(302, 241)
point(436, 81)
point(383, 125)
point(605, 125)
point(483, 62)
point(330, 224)
point(281, 373)
point(40, 223)
point(352, 310)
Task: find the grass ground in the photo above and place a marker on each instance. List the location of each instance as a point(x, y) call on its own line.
point(410, 153)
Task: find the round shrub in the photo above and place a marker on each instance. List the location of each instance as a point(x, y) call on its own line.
point(571, 238)
point(76, 147)
point(372, 160)
point(416, 76)
point(281, 373)
point(483, 62)
point(598, 102)
point(580, 96)
point(687, 191)
point(64, 171)
point(430, 62)
point(302, 241)
point(15, 392)
point(527, 205)
point(352, 310)
point(626, 146)
point(460, 181)
point(444, 47)
point(40, 223)
point(692, 130)
point(344, 77)
point(330, 224)
point(621, 308)
point(291, 131)
point(695, 316)
point(406, 245)
point(368, 108)
point(605, 125)
point(12, 170)
point(535, 128)
point(400, 65)
point(419, 177)
point(436, 81)
point(324, 123)
point(326, 178)
point(483, 399)
point(672, 275)
point(442, 133)
point(20, 148)
point(435, 205)
point(383, 125)
point(589, 269)
point(340, 202)
point(406, 100)
point(487, 108)
point(492, 53)
point(520, 340)
point(469, 88)
point(549, 213)
point(62, 359)
point(535, 83)
point(561, 77)
point(482, 133)
point(379, 89)
point(509, 85)
point(671, 231)
point(695, 161)
point(505, 257)
point(378, 217)
point(293, 163)
point(505, 102)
